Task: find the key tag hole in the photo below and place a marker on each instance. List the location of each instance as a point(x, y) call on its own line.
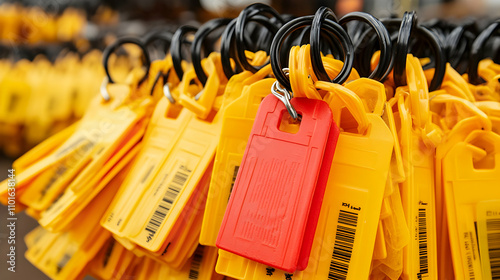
point(348, 122)
point(484, 158)
point(173, 111)
point(288, 124)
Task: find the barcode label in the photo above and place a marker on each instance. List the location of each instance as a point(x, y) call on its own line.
point(469, 254)
point(344, 242)
point(422, 244)
point(109, 250)
point(194, 271)
point(493, 232)
point(63, 261)
point(146, 175)
point(235, 173)
point(168, 199)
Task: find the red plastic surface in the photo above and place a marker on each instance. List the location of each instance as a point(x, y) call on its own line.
point(324, 173)
point(268, 213)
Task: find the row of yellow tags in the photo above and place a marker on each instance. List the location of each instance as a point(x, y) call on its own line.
point(39, 98)
point(32, 25)
point(137, 189)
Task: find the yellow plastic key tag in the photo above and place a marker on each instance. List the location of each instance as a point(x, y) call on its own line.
point(454, 84)
point(70, 204)
point(345, 236)
point(150, 223)
point(417, 191)
point(191, 221)
point(65, 255)
point(115, 262)
point(202, 103)
point(458, 134)
point(184, 162)
point(99, 134)
point(200, 266)
point(417, 194)
point(471, 174)
point(165, 127)
point(34, 155)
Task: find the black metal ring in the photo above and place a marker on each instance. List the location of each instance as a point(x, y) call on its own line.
point(432, 39)
point(341, 35)
point(477, 50)
point(384, 39)
point(158, 36)
point(228, 50)
point(113, 47)
point(286, 30)
point(229, 47)
point(176, 47)
point(197, 45)
point(401, 49)
point(244, 17)
point(458, 44)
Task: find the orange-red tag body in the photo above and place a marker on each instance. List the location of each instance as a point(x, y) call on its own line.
point(269, 209)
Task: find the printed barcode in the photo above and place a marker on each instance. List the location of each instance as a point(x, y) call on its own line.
point(235, 173)
point(63, 261)
point(344, 242)
point(469, 254)
point(146, 175)
point(168, 199)
point(422, 243)
point(493, 230)
point(109, 250)
point(194, 271)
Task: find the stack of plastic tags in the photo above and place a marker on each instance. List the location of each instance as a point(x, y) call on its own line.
point(243, 95)
point(65, 255)
point(24, 25)
point(40, 98)
point(466, 172)
point(239, 166)
point(253, 270)
point(113, 261)
point(79, 162)
point(159, 213)
point(417, 190)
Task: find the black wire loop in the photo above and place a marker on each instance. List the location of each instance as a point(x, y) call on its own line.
point(271, 28)
point(477, 51)
point(197, 45)
point(323, 15)
point(159, 36)
point(408, 23)
point(329, 26)
point(384, 40)
point(113, 47)
point(176, 47)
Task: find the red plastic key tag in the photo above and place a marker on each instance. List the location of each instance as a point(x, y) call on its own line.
point(269, 209)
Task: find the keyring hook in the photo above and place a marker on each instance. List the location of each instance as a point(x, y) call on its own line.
point(285, 96)
point(112, 48)
point(176, 47)
point(477, 50)
point(196, 47)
